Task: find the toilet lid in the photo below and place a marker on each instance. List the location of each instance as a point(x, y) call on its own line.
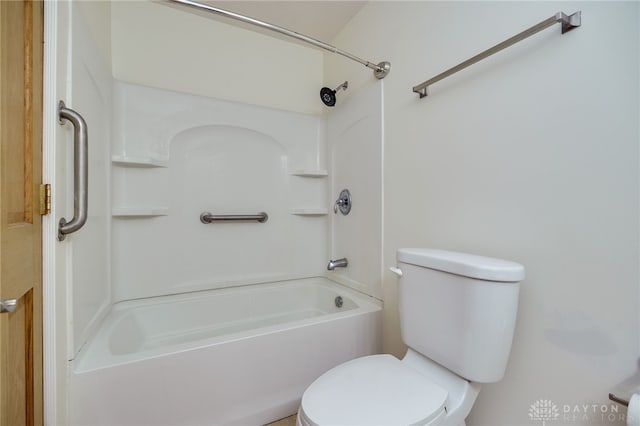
point(374, 390)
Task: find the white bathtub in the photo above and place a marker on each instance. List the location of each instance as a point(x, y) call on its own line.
point(233, 356)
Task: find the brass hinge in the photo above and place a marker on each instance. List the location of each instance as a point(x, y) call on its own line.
point(45, 199)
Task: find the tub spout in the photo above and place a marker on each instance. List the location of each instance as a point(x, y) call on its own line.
point(338, 263)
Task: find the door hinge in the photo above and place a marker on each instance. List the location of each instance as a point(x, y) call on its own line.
point(45, 199)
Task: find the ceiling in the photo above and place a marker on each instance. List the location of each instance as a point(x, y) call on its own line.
point(321, 20)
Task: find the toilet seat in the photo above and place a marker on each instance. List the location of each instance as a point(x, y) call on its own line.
point(373, 390)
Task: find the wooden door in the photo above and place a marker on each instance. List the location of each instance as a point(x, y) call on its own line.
point(21, 38)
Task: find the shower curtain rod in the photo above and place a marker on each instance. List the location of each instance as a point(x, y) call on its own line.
point(380, 70)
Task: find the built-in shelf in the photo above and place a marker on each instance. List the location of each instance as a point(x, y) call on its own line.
point(310, 212)
point(139, 211)
point(141, 162)
point(309, 173)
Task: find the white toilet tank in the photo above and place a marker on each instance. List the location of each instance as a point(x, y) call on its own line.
point(459, 310)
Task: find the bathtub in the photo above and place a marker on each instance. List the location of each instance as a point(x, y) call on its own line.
point(238, 356)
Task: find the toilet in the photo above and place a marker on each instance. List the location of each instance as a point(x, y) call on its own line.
point(457, 316)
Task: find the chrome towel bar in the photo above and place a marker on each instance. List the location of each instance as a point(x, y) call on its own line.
point(568, 22)
point(207, 217)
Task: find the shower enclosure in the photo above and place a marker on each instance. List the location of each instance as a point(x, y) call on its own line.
point(163, 164)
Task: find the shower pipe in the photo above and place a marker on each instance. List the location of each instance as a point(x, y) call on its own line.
point(380, 70)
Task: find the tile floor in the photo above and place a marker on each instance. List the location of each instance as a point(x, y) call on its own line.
point(287, 421)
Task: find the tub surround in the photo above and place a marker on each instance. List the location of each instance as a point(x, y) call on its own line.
point(176, 156)
point(355, 141)
point(222, 322)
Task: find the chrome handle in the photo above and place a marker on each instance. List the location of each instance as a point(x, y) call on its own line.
point(80, 171)
point(340, 203)
point(8, 305)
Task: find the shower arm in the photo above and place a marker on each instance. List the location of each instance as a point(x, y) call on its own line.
point(380, 70)
point(343, 86)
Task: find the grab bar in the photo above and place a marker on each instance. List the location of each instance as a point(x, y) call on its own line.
point(80, 171)
point(568, 23)
point(207, 217)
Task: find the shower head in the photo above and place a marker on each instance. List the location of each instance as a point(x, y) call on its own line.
point(328, 96)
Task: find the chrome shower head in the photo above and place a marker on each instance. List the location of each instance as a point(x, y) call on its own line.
point(328, 96)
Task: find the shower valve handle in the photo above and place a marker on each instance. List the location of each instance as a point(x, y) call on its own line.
point(343, 202)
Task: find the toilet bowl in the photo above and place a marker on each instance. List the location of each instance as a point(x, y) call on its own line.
point(373, 390)
point(457, 338)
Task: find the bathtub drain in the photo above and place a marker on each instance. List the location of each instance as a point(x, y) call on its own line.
point(339, 301)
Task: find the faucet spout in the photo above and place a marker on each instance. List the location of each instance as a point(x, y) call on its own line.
point(338, 263)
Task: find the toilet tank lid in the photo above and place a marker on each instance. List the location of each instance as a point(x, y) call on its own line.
point(468, 265)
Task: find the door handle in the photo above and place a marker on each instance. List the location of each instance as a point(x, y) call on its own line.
point(80, 171)
point(8, 305)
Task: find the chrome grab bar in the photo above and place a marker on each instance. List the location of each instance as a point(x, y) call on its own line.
point(207, 217)
point(80, 171)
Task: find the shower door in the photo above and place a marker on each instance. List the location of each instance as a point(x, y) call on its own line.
point(20, 229)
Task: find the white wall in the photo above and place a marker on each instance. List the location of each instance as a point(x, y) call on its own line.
point(171, 48)
point(531, 156)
